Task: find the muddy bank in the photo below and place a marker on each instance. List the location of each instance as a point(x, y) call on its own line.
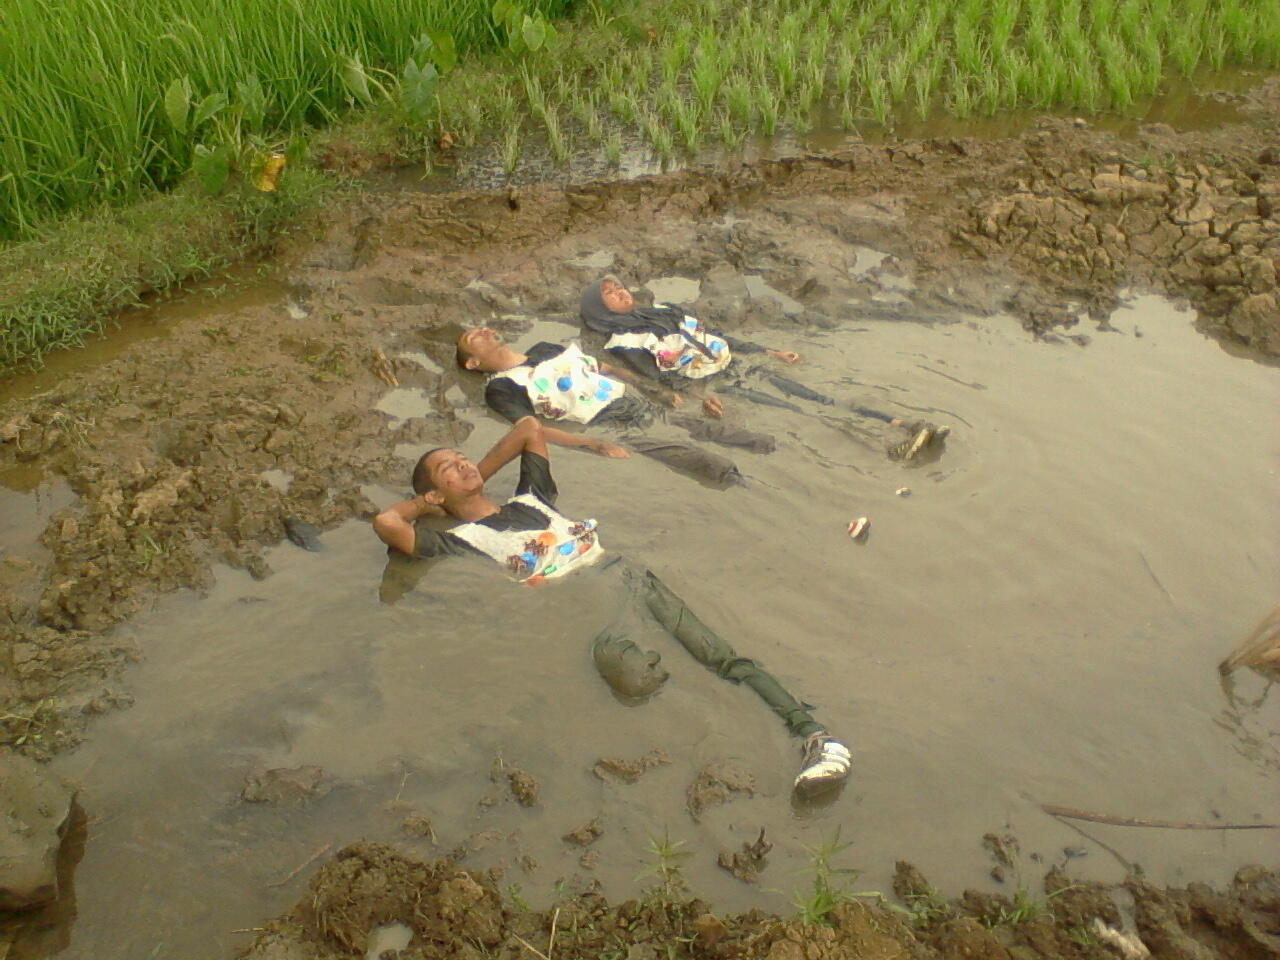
point(441, 910)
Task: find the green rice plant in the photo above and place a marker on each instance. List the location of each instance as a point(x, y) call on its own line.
point(625, 107)
point(556, 141)
point(706, 77)
point(731, 132)
point(737, 98)
point(767, 108)
point(658, 135)
point(613, 148)
point(511, 150)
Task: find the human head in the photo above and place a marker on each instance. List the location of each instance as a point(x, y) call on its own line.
point(615, 295)
point(481, 349)
point(444, 474)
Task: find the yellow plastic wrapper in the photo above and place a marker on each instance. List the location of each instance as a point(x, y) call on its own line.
point(271, 170)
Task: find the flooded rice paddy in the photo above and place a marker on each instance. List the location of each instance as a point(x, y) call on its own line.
point(1039, 620)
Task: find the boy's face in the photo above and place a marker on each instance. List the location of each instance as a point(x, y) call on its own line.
point(481, 345)
point(452, 474)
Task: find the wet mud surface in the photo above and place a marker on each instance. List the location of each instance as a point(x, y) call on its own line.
point(208, 446)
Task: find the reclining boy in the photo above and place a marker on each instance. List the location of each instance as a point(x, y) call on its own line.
point(536, 543)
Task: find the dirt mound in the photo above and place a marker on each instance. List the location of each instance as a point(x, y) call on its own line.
point(453, 913)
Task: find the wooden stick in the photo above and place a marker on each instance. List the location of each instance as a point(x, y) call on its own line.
point(551, 943)
point(303, 865)
point(1072, 813)
point(531, 947)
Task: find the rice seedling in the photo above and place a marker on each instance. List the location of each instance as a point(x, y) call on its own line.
point(613, 148)
point(556, 140)
point(511, 150)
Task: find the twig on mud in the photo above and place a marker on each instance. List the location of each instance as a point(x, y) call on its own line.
point(1124, 862)
point(536, 952)
point(303, 865)
point(1168, 596)
point(1072, 813)
point(551, 941)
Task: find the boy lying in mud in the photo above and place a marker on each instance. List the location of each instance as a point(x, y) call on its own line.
point(536, 543)
point(561, 383)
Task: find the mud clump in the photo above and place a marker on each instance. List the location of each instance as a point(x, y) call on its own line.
point(450, 911)
point(718, 783)
point(628, 771)
point(524, 787)
point(285, 786)
point(586, 834)
point(746, 864)
point(453, 913)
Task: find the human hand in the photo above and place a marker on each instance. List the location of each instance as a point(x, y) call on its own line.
point(786, 356)
point(713, 407)
point(610, 450)
point(428, 509)
point(676, 400)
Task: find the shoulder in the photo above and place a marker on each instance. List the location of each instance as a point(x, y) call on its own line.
point(543, 351)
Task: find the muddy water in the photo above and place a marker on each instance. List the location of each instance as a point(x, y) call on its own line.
point(1040, 617)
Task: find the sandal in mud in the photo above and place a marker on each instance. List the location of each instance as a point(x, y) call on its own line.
point(910, 449)
point(827, 763)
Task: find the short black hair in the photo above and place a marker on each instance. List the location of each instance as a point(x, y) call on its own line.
point(422, 473)
point(461, 357)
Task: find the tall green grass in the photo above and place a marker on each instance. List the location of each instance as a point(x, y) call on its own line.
point(83, 83)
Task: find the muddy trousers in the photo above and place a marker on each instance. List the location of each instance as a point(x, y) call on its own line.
point(712, 651)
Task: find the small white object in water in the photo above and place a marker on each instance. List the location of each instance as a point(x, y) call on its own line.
point(902, 492)
point(858, 529)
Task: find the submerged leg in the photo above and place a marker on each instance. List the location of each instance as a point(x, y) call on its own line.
point(712, 651)
point(827, 761)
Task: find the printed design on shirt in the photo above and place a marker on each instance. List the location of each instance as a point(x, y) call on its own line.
point(569, 386)
point(532, 556)
point(693, 353)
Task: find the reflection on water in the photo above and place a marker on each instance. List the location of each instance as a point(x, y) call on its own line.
point(1042, 617)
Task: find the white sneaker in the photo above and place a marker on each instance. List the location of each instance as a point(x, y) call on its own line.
point(827, 763)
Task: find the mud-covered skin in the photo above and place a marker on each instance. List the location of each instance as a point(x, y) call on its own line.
point(165, 445)
point(451, 910)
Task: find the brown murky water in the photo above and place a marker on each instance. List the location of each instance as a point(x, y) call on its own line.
point(1041, 617)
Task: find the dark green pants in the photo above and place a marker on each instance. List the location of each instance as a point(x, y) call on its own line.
point(711, 650)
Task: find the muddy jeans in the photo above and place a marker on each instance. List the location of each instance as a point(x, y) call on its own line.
point(704, 645)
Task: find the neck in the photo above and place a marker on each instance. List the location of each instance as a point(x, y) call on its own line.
point(471, 507)
point(507, 359)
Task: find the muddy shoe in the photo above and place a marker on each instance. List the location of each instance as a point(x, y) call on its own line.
point(913, 427)
point(910, 449)
point(827, 763)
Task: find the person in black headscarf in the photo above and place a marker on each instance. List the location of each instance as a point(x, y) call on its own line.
point(662, 342)
point(667, 344)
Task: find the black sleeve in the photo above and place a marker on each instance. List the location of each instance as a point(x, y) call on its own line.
point(535, 478)
point(507, 399)
point(437, 543)
point(639, 360)
point(741, 346)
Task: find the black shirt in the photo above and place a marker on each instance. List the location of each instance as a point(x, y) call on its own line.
point(535, 478)
point(509, 399)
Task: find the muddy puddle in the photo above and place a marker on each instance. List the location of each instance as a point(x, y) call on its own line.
point(1038, 620)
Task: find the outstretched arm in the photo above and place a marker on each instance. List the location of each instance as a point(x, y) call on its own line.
point(562, 438)
point(525, 436)
point(394, 525)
